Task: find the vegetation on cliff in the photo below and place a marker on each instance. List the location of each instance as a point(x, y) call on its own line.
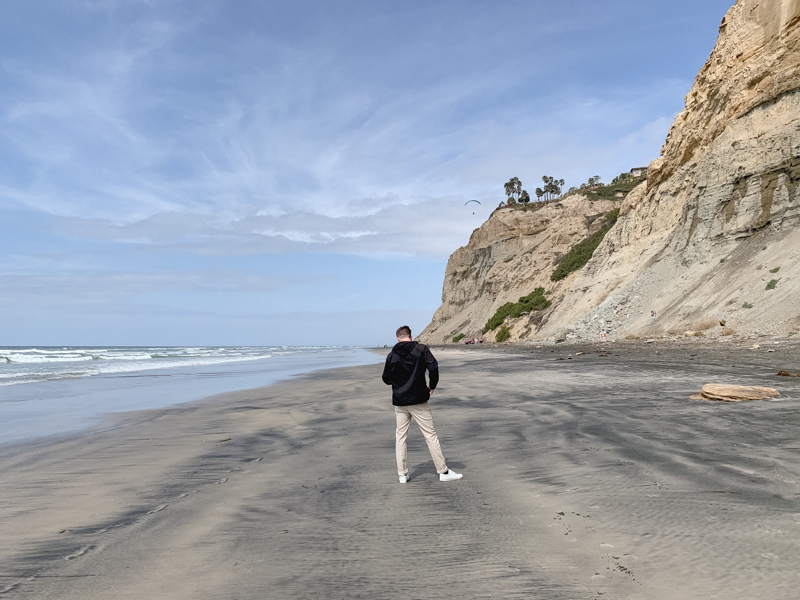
point(516, 195)
point(552, 191)
point(532, 302)
point(552, 188)
point(619, 187)
point(581, 252)
point(612, 191)
point(504, 334)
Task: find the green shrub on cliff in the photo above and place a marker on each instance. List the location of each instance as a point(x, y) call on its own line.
point(458, 338)
point(610, 191)
point(581, 252)
point(503, 334)
point(532, 302)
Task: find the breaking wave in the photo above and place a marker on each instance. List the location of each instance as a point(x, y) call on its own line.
point(20, 365)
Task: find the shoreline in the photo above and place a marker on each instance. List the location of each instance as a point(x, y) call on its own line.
point(74, 404)
point(583, 477)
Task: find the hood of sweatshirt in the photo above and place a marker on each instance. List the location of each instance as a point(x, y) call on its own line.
point(403, 349)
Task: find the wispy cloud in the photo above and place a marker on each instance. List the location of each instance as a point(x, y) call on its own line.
point(432, 228)
point(178, 147)
point(101, 287)
point(147, 121)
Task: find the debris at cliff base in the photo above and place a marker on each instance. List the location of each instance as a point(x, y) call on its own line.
point(734, 393)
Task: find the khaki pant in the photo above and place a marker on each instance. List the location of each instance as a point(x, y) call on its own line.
point(421, 413)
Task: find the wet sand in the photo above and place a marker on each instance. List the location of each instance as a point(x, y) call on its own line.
point(590, 476)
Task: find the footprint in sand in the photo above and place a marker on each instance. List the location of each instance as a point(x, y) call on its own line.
point(626, 560)
point(79, 553)
point(770, 531)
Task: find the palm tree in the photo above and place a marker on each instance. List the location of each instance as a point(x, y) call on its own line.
point(513, 188)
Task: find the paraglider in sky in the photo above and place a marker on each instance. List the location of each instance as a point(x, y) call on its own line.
point(468, 201)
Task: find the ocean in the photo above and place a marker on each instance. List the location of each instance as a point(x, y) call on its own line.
point(54, 390)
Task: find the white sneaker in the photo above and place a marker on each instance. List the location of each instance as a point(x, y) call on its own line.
point(403, 478)
point(450, 476)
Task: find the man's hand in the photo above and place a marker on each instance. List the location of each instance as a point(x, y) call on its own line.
point(430, 392)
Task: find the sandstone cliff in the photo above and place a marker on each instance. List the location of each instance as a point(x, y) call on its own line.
point(509, 256)
point(715, 225)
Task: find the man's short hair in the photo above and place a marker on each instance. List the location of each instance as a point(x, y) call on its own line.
point(404, 331)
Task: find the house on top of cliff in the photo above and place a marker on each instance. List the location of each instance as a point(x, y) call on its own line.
point(638, 171)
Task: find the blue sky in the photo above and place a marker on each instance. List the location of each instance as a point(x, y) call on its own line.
point(254, 172)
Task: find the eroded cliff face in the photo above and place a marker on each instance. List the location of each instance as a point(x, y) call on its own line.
point(756, 60)
point(509, 256)
point(716, 222)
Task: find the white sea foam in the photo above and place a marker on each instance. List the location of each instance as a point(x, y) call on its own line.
point(52, 395)
point(30, 365)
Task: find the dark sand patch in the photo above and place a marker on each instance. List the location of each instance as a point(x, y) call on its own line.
point(583, 478)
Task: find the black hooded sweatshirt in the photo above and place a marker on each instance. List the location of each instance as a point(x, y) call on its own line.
point(405, 372)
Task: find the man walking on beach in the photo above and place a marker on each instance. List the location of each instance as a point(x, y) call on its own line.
point(405, 372)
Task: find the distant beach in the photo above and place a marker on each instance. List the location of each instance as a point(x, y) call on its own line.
point(588, 472)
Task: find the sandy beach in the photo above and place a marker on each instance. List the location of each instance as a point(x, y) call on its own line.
point(585, 476)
